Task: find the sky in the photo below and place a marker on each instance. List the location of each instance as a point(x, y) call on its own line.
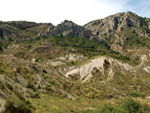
point(78, 11)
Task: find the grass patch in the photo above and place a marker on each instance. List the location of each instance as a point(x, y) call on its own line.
point(53, 104)
point(129, 106)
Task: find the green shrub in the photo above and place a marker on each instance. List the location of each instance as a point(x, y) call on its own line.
point(146, 108)
point(134, 94)
point(10, 107)
point(19, 95)
point(37, 59)
point(10, 87)
point(143, 22)
point(50, 81)
point(49, 57)
point(44, 71)
point(31, 86)
point(132, 106)
point(106, 109)
point(1, 71)
point(72, 62)
point(129, 106)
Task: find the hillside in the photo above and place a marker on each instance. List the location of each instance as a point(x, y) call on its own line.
point(72, 68)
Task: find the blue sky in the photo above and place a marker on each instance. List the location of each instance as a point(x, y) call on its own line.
point(141, 7)
point(78, 11)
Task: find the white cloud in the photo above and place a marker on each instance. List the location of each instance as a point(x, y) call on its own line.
point(55, 11)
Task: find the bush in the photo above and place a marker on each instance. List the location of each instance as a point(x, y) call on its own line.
point(37, 59)
point(129, 106)
point(31, 86)
point(132, 106)
point(106, 109)
point(49, 57)
point(10, 107)
point(72, 62)
point(19, 95)
point(44, 71)
point(10, 87)
point(133, 94)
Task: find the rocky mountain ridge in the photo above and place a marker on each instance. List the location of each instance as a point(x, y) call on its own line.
point(98, 28)
point(110, 31)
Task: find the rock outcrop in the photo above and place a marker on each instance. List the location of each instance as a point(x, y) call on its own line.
point(6, 31)
point(113, 23)
point(107, 29)
point(67, 28)
point(109, 67)
point(99, 64)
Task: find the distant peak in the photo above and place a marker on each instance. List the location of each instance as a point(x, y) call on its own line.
point(67, 21)
point(130, 13)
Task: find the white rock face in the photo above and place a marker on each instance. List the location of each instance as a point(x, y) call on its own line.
point(55, 63)
point(143, 58)
point(33, 60)
point(149, 25)
point(71, 57)
point(148, 97)
point(110, 75)
point(124, 65)
point(2, 104)
point(85, 71)
point(74, 57)
point(147, 69)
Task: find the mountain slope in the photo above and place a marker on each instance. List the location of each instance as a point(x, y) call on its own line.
point(106, 59)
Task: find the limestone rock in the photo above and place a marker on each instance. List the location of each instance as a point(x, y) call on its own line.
point(67, 28)
point(2, 101)
point(99, 64)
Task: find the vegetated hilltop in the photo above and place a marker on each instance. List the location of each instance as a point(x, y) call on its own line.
point(106, 59)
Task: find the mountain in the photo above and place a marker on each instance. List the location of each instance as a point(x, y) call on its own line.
point(73, 68)
point(67, 28)
point(119, 28)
